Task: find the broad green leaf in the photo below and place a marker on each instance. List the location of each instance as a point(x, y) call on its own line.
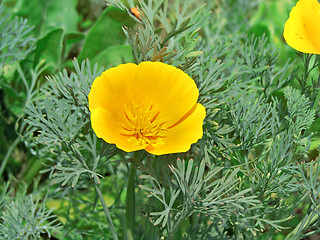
point(114, 56)
point(34, 11)
point(47, 15)
point(13, 99)
point(70, 39)
point(259, 29)
point(61, 14)
point(49, 49)
point(74, 37)
point(106, 32)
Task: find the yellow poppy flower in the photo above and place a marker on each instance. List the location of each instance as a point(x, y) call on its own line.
point(151, 106)
point(302, 29)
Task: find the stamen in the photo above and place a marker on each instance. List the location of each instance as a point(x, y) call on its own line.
point(143, 125)
point(155, 117)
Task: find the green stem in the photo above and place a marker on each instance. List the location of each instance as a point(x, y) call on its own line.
point(130, 203)
point(106, 211)
point(316, 102)
point(6, 158)
point(236, 231)
point(176, 226)
point(314, 108)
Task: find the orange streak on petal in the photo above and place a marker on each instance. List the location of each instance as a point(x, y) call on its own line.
point(180, 137)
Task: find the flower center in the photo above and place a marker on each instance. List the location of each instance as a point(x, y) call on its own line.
point(144, 126)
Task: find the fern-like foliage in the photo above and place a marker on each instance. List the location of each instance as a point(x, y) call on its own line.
point(161, 38)
point(309, 225)
point(260, 60)
point(254, 119)
point(300, 116)
point(26, 219)
point(57, 126)
point(255, 133)
point(197, 190)
point(15, 38)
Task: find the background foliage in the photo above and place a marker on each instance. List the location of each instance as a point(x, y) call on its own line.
point(254, 174)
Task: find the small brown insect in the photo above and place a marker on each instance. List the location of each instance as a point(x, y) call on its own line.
point(134, 11)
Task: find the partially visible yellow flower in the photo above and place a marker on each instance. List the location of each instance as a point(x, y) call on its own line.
point(151, 106)
point(302, 29)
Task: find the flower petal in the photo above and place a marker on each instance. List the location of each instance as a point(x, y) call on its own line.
point(149, 106)
point(108, 90)
point(302, 29)
point(107, 127)
point(168, 89)
point(171, 91)
point(180, 137)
